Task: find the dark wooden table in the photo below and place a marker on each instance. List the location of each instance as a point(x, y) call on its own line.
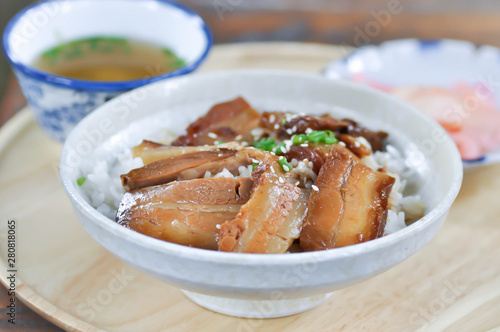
point(341, 22)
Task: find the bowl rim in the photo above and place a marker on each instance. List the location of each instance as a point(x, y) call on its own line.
point(244, 259)
point(65, 82)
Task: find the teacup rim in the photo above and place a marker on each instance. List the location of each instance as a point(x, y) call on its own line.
point(70, 83)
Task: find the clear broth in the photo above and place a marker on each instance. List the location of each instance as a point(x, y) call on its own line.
point(108, 59)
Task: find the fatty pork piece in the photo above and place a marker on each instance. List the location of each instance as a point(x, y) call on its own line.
point(348, 204)
point(150, 151)
point(298, 124)
point(270, 221)
point(184, 167)
point(224, 122)
point(184, 212)
point(317, 153)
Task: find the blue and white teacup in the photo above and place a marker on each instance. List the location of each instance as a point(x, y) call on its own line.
point(59, 103)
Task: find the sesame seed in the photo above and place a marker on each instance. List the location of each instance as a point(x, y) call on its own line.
point(304, 144)
point(308, 131)
point(281, 180)
point(357, 144)
point(217, 226)
point(272, 118)
point(238, 137)
point(244, 143)
point(315, 188)
point(294, 129)
point(289, 131)
point(257, 132)
point(212, 135)
point(276, 126)
point(342, 143)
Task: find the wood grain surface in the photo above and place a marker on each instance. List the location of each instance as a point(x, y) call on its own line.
point(452, 284)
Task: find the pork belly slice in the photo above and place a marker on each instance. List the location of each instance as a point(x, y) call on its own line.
point(224, 122)
point(269, 221)
point(184, 212)
point(366, 199)
point(352, 144)
point(184, 167)
point(375, 138)
point(179, 166)
point(348, 204)
point(299, 125)
point(150, 151)
point(291, 227)
point(315, 153)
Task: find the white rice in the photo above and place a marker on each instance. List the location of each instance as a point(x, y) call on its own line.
point(102, 186)
point(302, 171)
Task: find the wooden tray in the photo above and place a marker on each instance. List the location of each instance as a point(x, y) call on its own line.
point(64, 275)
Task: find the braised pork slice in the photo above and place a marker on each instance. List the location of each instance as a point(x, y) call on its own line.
point(348, 204)
point(298, 124)
point(366, 195)
point(375, 138)
point(291, 227)
point(183, 167)
point(150, 151)
point(277, 121)
point(269, 221)
point(184, 212)
point(224, 122)
point(316, 153)
point(352, 144)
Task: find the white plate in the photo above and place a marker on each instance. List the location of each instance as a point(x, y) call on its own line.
point(427, 63)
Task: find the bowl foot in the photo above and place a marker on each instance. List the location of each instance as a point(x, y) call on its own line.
point(256, 308)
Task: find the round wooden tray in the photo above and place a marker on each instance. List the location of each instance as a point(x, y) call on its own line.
point(65, 276)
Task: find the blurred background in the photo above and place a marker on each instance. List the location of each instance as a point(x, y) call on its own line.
point(344, 22)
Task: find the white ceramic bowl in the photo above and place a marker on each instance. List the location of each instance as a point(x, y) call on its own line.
point(417, 62)
point(57, 102)
point(274, 285)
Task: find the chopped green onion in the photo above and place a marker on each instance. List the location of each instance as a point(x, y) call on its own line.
point(322, 136)
point(266, 144)
point(330, 140)
point(81, 180)
point(283, 122)
point(329, 133)
point(285, 165)
point(299, 139)
point(279, 150)
point(316, 136)
point(253, 166)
